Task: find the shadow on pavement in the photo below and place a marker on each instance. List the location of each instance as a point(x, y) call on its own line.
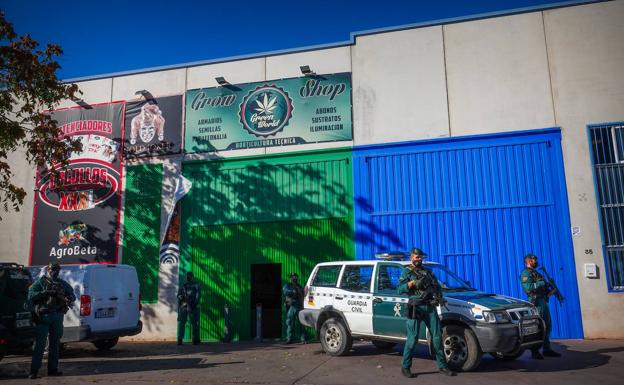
point(98, 367)
point(570, 360)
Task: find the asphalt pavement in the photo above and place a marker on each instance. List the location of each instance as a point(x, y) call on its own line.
point(584, 362)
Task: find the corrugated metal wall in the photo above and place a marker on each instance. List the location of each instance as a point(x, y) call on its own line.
point(475, 204)
point(294, 210)
point(142, 226)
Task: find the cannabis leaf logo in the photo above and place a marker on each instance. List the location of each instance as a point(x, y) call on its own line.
point(266, 106)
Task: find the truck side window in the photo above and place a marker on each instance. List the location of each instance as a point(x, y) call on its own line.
point(326, 276)
point(388, 279)
point(357, 278)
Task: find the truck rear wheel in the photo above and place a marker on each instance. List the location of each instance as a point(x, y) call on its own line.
point(106, 344)
point(335, 338)
point(461, 348)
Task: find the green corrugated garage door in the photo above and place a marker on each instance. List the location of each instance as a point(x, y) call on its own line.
point(290, 210)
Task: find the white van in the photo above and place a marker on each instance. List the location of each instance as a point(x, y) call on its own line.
point(107, 306)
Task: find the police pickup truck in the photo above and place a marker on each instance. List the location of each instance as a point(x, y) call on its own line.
point(359, 299)
point(17, 331)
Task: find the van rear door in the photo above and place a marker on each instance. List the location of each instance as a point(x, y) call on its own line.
point(129, 297)
point(106, 288)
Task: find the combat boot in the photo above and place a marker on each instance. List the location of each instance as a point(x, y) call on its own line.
point(447, 372)
point(55, 373)
point(407, 373)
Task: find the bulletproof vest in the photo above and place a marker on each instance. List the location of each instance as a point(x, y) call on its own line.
point(537, 277)
point(57, 301)
point(428, 280)
point(190, 293)
point(293, 294)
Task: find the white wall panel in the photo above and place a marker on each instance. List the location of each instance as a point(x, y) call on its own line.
point(157, 83)
point(399, 90)
point(497, 75)
point(326, 61)
point(93, 92)
point(15, 226)
point(586, 53)
point(235, 72)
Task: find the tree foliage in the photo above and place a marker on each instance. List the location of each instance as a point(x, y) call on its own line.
point(29, 86)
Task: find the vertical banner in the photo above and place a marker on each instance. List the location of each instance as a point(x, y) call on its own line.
point(76, 218)
point(153, 127)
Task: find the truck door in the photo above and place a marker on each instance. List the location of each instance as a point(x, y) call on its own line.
point(389, 307)
point(354, 299)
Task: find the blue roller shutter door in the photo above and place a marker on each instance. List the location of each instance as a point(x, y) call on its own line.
point(476, 204)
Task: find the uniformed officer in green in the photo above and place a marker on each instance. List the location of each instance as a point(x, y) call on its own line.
point(536, 287)
point(293, 298)
point(188, 308)
point(50, 298)
point(419, 283)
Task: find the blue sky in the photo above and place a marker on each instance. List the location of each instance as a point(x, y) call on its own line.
point(111, 36)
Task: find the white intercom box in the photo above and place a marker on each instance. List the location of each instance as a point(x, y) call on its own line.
point(591, 271)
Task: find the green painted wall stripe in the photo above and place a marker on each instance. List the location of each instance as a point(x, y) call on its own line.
point(142, 226)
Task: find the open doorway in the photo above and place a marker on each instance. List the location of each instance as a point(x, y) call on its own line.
point(266, 288)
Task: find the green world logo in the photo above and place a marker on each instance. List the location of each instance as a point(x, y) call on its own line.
point(266, 110)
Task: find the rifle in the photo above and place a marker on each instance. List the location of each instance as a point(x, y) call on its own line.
point(552, 288)
point(432, 291)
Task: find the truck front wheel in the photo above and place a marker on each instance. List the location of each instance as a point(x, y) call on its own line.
point(461, 348)
point(335, 338)
point(507, 357)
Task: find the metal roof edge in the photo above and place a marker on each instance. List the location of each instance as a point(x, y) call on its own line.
point(479, 16)
point(351, 41)
point(445, 139)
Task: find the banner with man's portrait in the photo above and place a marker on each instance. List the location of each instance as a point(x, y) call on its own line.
point(153, 127)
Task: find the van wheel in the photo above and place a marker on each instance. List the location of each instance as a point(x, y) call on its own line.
point(383, 345)
point(106, 344)
point(507, 357)
point(335, 338)
point(461, 348)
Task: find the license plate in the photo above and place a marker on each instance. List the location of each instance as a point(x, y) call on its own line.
point(105, 313)
point(22, 323)
point(530, 330)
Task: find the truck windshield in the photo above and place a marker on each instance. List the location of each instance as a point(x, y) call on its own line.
point(449, 280)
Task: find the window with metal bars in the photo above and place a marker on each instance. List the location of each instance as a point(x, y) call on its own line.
point(607, 152)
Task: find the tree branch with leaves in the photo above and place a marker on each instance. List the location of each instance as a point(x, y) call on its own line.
point(28, 87)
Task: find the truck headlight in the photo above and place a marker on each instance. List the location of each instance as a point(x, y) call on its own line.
point(493, 317)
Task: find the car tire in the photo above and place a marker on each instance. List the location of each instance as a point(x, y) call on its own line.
point(106, 344)
point(461, 348)
point(383, 345)
point(507, 357)
point(335, 338)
